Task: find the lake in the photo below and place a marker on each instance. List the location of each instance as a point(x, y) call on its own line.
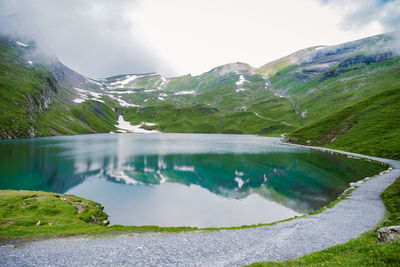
point(203, 180)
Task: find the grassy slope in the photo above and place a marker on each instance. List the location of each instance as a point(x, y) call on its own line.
point(64, 118)
point(361, 251)
point(371, 126)
point(18, 80)
point(22, 87)
point(330, 96)
point(203, 119)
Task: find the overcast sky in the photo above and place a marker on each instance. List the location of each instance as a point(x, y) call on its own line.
point(100, 38)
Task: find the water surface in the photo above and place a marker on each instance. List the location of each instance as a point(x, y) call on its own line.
point(182, 179)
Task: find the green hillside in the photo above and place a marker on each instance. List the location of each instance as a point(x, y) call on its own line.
point(342, 96)
point(34, 101)
point(371, 126)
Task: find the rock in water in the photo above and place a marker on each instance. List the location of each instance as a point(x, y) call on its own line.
point(389, 234)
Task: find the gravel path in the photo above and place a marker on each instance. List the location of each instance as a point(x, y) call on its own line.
point(287, 240)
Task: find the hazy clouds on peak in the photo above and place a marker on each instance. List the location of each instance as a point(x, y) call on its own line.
point(93, 37)
point(358, 14)
point(102, 38)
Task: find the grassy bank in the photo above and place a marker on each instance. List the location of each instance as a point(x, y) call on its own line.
point(30, 214)
point(33, 214)
point(362, 251)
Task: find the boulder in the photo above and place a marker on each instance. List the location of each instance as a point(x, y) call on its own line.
point(389, 234)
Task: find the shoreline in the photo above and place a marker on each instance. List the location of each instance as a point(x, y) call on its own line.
point(280, 241)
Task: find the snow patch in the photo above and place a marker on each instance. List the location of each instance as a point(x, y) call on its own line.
point(163, 177)
point(120, 176)
point(122, 102)
point(79, 100)
point(240, 83)
point(84, 94)
point(285, 123)
point(184, 168)
point(238, 173)
point(303, 114)
point(239, 181)
point(21, 44)
point(122, 92)
point(163, 83)
point(185, 93)
point(125, 126)
point(96, 96)
point(147, 124)
point(80, 90)
point(241, 80)
point(276, 94)
point(128, 79)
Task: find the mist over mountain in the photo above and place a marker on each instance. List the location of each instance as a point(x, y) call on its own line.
point(92, 37)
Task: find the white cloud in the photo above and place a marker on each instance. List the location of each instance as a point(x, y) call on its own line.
point(194, 36)
point(360, 14)
point(175, 37)
point(93, 37)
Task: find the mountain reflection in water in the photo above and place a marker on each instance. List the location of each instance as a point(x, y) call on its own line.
point(230, 166)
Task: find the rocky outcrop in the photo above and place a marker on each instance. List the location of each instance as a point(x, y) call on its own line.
point(354, 63)
point(361, 59)
point(39, 102)
point(389, 234)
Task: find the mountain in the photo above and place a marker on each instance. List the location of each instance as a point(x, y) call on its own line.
point(296, 94)
point(36, 95)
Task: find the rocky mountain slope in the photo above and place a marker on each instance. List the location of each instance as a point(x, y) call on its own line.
point(36, 93)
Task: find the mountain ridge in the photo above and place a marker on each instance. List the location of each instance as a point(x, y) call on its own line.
point(279, 97)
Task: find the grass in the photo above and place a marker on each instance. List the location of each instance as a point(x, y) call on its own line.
point(63, 118)
point(31, 214)
point(22, 91)
point(24, 88)
point(362, 251)
point(35, 214)
point(215, 107)
point(371, 126)
point(203, 119)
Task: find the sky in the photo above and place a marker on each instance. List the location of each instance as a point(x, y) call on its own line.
point(101, 38)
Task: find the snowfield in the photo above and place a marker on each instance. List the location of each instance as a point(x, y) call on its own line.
point(125, 126)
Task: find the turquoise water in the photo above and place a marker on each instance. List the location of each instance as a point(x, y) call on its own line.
point(199, 180)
